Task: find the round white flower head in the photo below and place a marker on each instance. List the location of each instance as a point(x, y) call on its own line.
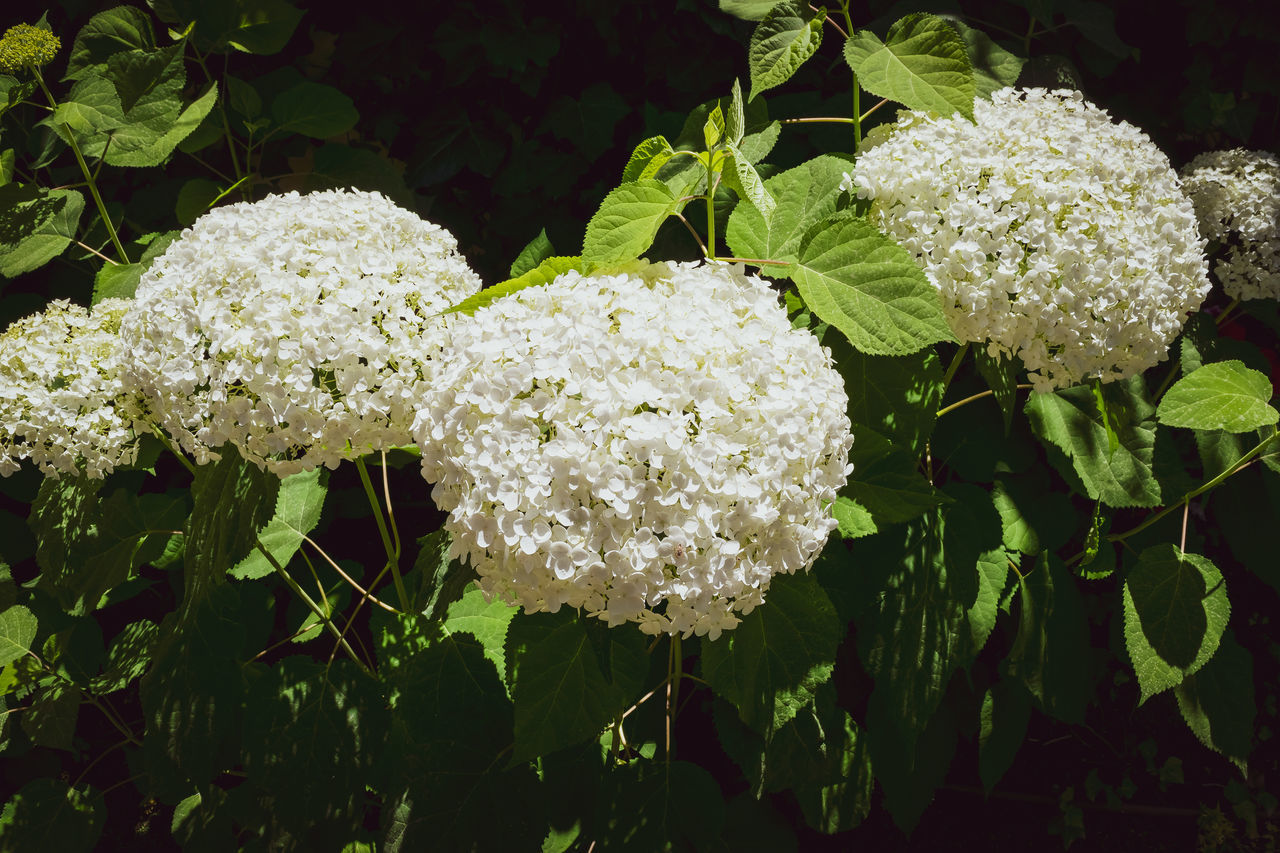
point(62, 404)
point(1050, 231)
point(295, 327)
point(1237, 198)
point(651, 446)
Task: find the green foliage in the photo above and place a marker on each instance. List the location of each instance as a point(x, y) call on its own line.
point(788, 34)
point(923, 64)
point(298, 503)
point(1175, 610)
point(1224, 395)
point(771, 664)
point(1070, 421)
point(868, 287)
point(979, 558)
point(627, 222)
point(565, 687)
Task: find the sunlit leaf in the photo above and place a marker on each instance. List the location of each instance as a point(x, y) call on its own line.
point(923, 64)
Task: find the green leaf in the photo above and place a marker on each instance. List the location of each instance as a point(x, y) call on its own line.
point(868, 287)
point(233, 500)
point(1050, 655)
point(128, 657)
point(50, 719)
point(486, 621)
point(885, 481)
point(1218, 702)
point(789, 33)
point(17, 632)
point(1224, 395)
point(748, 10)
point(196, 196)
point(743, 179)
point(91, 110)
point(713, 129)
point(7, 158)
point(651, 806)
point(107, 33)
point(770, 665)
point(993, 66)
point(88, 545)
point(436, 580)
point(1032, 517)
point(48, 240)
point(803, 196)
point(450, 737)
point(1175, 610)
point(253, 26)
point(854, 520)
point(1001, 376)
point(150, 141)
point(537, 251)
point(120, 281)
point(1006, 710)
point(896, 397)
point(911, 643)
point(315, 110)
point(587, 120)
point(49, 814)
point(1069, 421)
point(647, 158)
point(559, 686)
point(312, 737)
point(298, 504)
point(735, 122)
point(627, 221)
point(25, 208)
point(193, 694)
point(543, 273)
point(922, 64)
point(339, 166)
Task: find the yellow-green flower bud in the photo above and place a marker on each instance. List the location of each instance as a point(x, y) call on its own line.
point(25, 46)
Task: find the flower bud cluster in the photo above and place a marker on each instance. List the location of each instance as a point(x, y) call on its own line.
point(1237, 199)
point(62, 403)
point(1051, 232)
point(295, 328)
point(23, 46)
point(651, 446)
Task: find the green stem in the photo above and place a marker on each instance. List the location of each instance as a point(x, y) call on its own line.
point(226, 128)
point(393, 554)
point(84, 169)
point(675, 669)
point(164, 439)
point(973, 397)
point(857, 88)
point(1236, 468)
point(1226, 312)
point(711, 209)
point(953, 367)
point(821, 120)
point(315, 608)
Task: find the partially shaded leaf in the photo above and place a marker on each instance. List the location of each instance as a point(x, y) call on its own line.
point(627, 221)
point(1224, 395)
point(770, 665)
point(543, 273)
point(299, 500)
point(1175, 610)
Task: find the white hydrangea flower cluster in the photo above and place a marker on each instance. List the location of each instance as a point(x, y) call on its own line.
point(295, 328)
point(651, 446)
point(1050, 231)
point(62, 403)
point(1237, 198)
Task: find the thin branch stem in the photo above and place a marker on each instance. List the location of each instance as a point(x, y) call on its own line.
point(954, 366)
point(988, 393)
point(393, 552)
point(759, 262)
point(364, 592)
point(315, 608)
point(84, 169)
point(696, 236)
point(1240, 464)
point(821, 120)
